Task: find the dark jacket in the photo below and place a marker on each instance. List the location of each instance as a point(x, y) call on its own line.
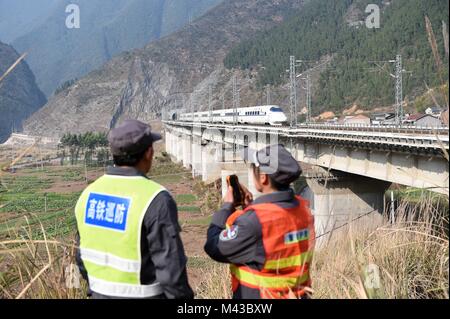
point(163, 257)
point(247, 247)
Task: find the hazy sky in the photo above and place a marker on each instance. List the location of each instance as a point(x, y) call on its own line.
point(17, 17)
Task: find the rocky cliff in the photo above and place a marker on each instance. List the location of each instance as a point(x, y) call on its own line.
point(107, 28)
point(164, 73)
point(19, 94)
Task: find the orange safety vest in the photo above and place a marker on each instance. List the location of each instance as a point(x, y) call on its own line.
point(288, 239)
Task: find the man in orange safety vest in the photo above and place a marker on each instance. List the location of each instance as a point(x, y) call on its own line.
point(270, 242)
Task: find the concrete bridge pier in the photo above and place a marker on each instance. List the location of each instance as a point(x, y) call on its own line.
point(179, 149)
point(196, 156)
point(173, 148)
point(211, 162)
point(167, 141)
point(187, 151)
point(343, 199)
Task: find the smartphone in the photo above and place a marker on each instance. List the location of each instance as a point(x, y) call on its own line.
point(238, 193)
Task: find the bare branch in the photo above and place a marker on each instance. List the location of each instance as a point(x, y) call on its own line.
point(12, 67)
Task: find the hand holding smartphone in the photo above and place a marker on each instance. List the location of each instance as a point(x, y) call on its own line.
point(241, 196)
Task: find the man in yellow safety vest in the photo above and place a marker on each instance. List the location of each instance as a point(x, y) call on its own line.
point(129, 242)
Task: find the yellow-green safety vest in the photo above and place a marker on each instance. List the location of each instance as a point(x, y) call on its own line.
point(109, 216)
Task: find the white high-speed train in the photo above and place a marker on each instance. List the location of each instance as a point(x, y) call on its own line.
point(262, 115)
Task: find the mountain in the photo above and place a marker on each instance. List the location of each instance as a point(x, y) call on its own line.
point(19, 94)
point(336, 30)
point(138, 84)
point(58, 54)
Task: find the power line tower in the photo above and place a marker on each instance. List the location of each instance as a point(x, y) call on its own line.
point(399, 113)
point(307, 89)
point(308, 99)
point(293, 91)
point(398, 77)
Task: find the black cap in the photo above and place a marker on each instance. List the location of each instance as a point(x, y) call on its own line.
point(131, 137)
point(276, 161)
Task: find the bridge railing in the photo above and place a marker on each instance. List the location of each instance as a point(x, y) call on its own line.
point(404, 138)
point(380, 128)
point(403, 129)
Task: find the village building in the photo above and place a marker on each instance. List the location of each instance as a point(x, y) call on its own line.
point(423, 120)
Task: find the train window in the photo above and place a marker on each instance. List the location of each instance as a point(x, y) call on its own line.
point(275, 109)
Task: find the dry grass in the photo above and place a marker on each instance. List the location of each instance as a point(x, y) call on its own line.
point(412, 257)
point(211, 195)
point(216, 283)
point(37, 269)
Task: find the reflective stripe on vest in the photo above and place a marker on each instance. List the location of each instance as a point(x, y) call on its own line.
point(288, 239)
point(109, 216)
point(109, 260)
point(124, 290)
point(294, 261)
point(257, 280)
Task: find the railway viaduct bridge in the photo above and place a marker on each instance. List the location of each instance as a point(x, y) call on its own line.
point(347, 168)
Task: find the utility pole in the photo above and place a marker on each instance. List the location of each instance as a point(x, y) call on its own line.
point(165, 113)
point(210, 102)
point(236, 100)
point(268, 95)
point(192, 105)
point(236, 106)
point(392, 208)
point(223, 101)
point(399, 90)
point(183, 101)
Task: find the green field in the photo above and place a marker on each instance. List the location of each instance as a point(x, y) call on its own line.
point(24, 202)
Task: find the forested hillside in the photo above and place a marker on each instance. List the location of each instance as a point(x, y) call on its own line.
point(335, 29)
